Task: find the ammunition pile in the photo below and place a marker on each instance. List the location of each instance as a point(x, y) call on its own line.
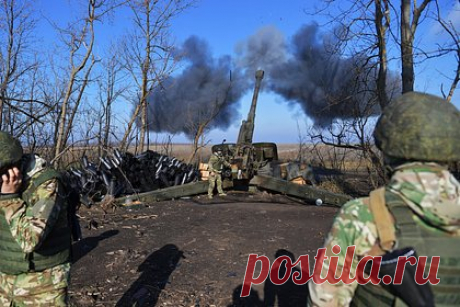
point(124, 173)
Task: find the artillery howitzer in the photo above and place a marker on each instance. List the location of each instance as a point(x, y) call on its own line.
point(257, 164)
point(151, 176)
point(254, 164)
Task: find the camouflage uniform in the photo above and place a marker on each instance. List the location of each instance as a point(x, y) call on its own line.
point(423, 191)
point(47, 287)
point(215, 166)
point(427, 188)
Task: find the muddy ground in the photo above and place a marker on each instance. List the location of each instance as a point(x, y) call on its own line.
point(193, 252)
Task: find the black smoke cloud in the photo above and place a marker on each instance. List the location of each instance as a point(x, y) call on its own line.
point(303, 71)
point(263, 50)
point(326, 85)
point(206, 84)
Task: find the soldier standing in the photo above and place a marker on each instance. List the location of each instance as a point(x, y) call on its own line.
point(215, 165)
point(35, 239)
point(416, 213)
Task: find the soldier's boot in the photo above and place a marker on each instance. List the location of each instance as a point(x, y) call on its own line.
point(221, 191)
point(209, 196)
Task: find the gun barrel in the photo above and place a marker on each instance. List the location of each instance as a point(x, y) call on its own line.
point(247, 127)
point(255, 96)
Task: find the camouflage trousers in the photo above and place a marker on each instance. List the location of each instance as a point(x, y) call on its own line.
point(47, 288)
point(213, 179)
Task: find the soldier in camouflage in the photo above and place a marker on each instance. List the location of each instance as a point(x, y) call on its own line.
point(215, 165)
point(418, 134)
point(35, 237)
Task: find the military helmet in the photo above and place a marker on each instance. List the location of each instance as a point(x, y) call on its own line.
point(10, 150)
point(419, 127)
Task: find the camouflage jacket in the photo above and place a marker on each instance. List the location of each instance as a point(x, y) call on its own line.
point(216, 163)
point(47, 206)
point(46, 288)
point(30, 231)
point(423, 186)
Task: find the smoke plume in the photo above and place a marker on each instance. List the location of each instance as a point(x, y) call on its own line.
point(307, 71)
point(326, 85)
point(207, 89)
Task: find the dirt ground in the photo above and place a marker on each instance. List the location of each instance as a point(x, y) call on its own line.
point(194, 251)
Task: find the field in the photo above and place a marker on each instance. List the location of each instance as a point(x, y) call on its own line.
point(180, 151)
point(193, 252)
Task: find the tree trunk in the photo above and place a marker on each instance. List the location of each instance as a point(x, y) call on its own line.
point(381, 24)
point(144, 125)
point(124, 142)
point(407, 56)
point(78, 40)
point(196, 140)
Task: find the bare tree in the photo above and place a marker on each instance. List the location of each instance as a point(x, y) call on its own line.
point(33, 128)
point(110, 90)
point(199, 124)
point(390, 24)
point(382, 23)
point(80, 42)
point(408, 28)
point(79, 39)
point(148, 55)
point(452, 47)
point(354, 133)
point(17, 61)
point(372, 33)
point(301, 153)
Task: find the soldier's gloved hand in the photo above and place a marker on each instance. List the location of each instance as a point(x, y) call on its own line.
point(12, 181)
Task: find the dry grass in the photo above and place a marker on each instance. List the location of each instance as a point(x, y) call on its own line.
point(286, 152)
point(331, 186)
point(330, 174)
point(318, 156)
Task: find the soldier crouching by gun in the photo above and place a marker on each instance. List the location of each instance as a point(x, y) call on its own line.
point(35, 237)
point(216, 165)
point(416, 214)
